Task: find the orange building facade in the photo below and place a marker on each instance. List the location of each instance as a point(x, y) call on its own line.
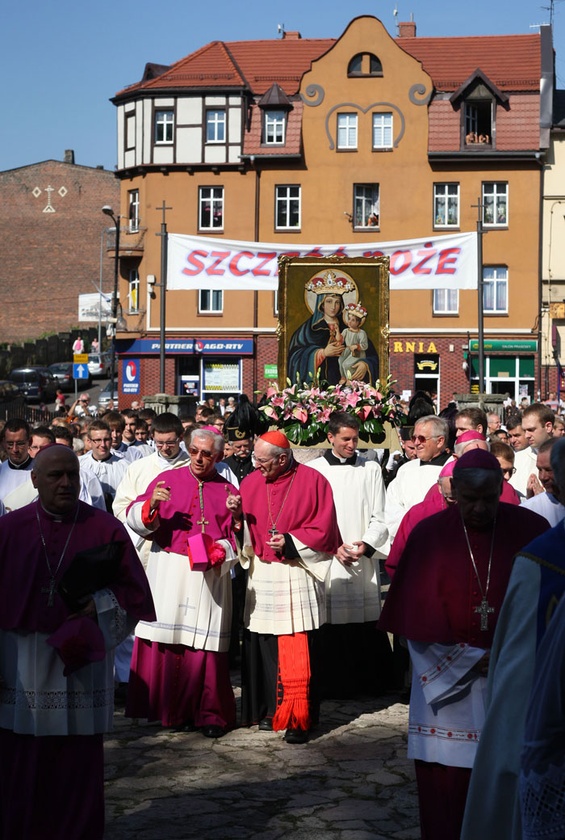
point(366, 139)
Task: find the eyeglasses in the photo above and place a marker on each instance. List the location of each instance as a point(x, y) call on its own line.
point(16, 444)
point(192, 450)
point(422, 439)
point(167, 443)
point(262, 461)
point(98, 441)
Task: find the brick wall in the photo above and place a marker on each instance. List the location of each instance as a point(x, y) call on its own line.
point(50, 227)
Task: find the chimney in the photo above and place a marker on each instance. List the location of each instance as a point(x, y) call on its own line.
point(69, 156)
point(292, 36)
point(407, 29)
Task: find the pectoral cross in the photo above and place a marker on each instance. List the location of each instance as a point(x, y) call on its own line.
point(202, 522)
point(50, 592)
point(484, 610)
point(273, 531)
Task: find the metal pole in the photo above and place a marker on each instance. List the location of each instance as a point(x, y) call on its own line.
point(163, 309)
point(115, 302)
point(480, 289)
point(163, 287)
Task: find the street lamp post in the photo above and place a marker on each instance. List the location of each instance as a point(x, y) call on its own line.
point(116, 219)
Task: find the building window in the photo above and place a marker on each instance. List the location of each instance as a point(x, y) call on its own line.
point(446, 302)
point(347, 131)
point(478, 121)
point(216, 126)
point(133, 211)
point(211, 300)
point(446, 205)
point(275, 124)
point(366, 209)
point(287, 207)
point(211, 208)
point(164, 125)
point(365, 64)
point(495, 203)
point(133, 291)
point(382, 131)
point(495, 290)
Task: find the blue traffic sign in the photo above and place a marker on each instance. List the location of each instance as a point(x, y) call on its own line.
point(80, 371)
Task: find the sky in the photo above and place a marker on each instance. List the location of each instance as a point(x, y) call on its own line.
point(63, 60)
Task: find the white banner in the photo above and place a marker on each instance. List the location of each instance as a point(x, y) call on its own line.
point(438, 262)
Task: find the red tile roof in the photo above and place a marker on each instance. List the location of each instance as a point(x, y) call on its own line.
point(512, 62)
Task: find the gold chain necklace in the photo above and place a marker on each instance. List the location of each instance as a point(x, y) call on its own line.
point(273, 520)
point(202, 521)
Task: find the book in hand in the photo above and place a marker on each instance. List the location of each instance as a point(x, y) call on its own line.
point(90, 570)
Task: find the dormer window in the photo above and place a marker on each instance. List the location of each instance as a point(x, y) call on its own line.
point(275, 106)
point(275, 127)
point(478, 121)
point(478, 99)
point(365, 64)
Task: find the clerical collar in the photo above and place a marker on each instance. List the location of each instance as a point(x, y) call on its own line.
point(335, 460)
point(25, 464)
point(438, 461)
point(58, 517)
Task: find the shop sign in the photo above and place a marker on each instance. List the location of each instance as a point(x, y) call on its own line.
point(413, 347)
point(270, 371)
point(505, 344)
point(426, 364)
point(176, 346)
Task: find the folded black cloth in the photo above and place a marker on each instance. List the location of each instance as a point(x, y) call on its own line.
point(90, 570)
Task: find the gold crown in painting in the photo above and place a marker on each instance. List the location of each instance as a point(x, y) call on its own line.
point(329, 284)
point(355, 309)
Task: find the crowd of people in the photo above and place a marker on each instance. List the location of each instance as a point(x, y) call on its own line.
point(144, 556)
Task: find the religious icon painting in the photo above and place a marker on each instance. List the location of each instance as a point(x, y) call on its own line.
point(333, 314)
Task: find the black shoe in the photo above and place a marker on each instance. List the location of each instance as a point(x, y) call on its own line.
point(188, 726)
point(120, 693)
point(296, 736)
point(266, 725)
point(213, 731)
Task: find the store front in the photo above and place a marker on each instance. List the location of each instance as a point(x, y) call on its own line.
point(505, 372)
point(202, 367)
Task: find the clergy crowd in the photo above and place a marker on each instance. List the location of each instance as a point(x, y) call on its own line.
point(144, 557)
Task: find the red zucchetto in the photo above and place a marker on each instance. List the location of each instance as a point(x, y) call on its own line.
point(276, 438)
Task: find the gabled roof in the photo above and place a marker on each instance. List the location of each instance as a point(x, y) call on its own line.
point(511, 62)
point(478, 77)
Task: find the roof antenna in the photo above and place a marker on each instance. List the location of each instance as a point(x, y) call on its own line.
point(395, 15)
point(280, 29)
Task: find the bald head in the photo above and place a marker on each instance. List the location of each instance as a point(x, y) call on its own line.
point(56, 477)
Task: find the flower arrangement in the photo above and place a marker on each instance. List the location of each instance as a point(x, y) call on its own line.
point(303, 411)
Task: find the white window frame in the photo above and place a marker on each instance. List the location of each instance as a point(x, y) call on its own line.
point(216, 125)
point(495, 287)
point(275, 127)
point(446, 195)
point(347, 128)
point(133, 197)
point(133, 291)
point(213, 198)
point(495, 203)
point(445, 302)
point(210, 301)
point(164, 127)
point(366, 204)
point(382, 130)
point(288, 205)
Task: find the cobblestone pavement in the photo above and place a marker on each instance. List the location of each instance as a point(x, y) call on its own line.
point(351, 781)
